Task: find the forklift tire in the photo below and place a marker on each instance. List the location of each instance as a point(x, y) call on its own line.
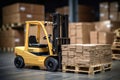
point(51, 64)
point(19, 62)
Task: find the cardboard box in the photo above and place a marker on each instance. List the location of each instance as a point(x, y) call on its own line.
point(114, 6)
point(104, 16)
point(79, 33)
point(72, 40)
point(113, 16)
point(37, 9)
point(21, 12)
point(21, 18)
point(11, 38)
point(104, 6)
point(23, 8)
point(101, 37)
point(94, 37)
point(16, 8)
point(107, 26)
point(106, 38)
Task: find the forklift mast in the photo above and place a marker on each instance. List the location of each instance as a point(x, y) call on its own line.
point(60, 34)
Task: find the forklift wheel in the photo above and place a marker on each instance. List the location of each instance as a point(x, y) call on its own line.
point(19, 62)
point(51, 64)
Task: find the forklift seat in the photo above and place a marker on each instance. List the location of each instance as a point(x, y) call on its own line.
point(33, 42)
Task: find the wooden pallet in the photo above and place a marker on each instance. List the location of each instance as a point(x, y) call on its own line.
point(78, 69)
point(106, 66)
point(9, 49)
point(116, 56)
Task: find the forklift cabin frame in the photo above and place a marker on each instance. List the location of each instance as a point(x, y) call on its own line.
point(40, 24)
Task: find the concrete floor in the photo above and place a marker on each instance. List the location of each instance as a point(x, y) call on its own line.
point(9, 72)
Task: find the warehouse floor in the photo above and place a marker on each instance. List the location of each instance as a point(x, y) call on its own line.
point(9, 72)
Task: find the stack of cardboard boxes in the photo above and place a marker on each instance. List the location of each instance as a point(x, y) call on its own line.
point(109, 11)
point(11, 38)
point(104, 11)
point(101, 37)
point(103, 33)
point(21, 12)
point(114, 6)
point(86, 54)
point(92, 33)
point(79, 33)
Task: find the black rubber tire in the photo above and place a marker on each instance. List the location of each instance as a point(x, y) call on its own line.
point(19, 62)
point(51, 64)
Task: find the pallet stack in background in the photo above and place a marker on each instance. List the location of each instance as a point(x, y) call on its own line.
point(85, 13)
point(14, 17)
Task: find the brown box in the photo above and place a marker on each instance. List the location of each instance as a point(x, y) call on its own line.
point(72, 40)
point(79, 32)
point(104, 15)
point(37, 9)
point(106, 38)
point(94, 37)
point(107, 26)
point(82, 40)
point(21, 18)
point(104, 6)
point(16, 8)
point(113, 16)
point(23, 8)
point(72, 28)
point(114, 6)
point(11, 38)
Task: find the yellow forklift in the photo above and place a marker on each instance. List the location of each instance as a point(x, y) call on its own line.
point(46, 56)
